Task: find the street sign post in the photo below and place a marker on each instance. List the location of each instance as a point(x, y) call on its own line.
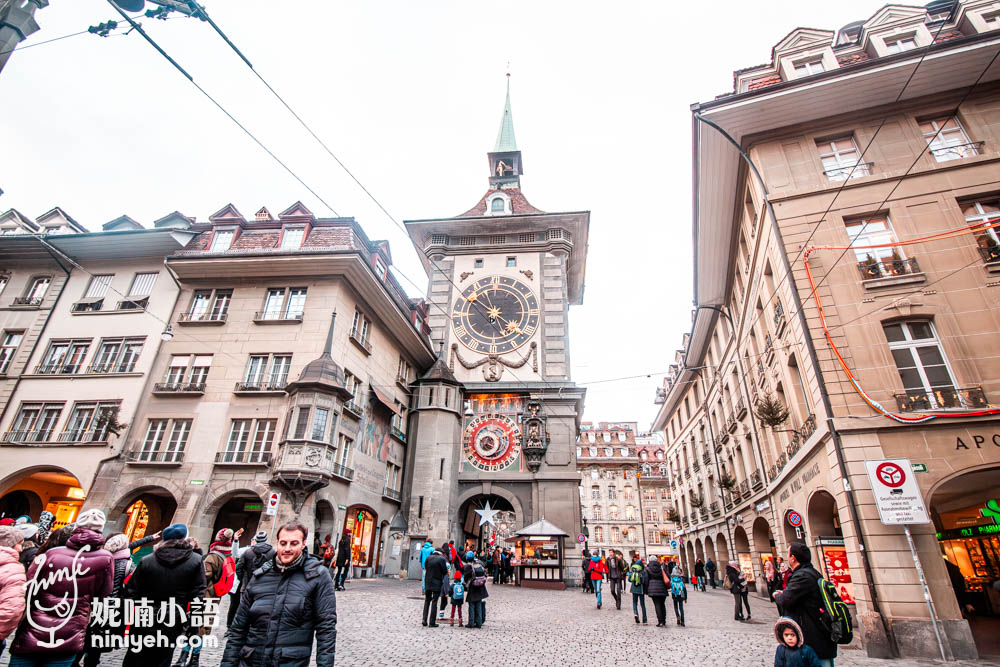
point(271, 509)
point(898, 499)
point(581, 538)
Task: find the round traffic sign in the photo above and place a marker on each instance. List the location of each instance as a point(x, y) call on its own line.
point(890, 474)
point(673, 544)
point(794, 518)
point(581, 538)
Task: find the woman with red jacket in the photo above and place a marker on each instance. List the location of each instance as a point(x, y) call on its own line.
point(597, 570)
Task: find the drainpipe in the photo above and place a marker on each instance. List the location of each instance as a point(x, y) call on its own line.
point(890, 647)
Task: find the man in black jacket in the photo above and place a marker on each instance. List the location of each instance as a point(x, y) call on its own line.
point(801, 601)
point(173, 573)
point(288, 599)
point(435, 572)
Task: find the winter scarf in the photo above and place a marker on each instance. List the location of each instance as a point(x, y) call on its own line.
point(45, 521)
point(295, 563)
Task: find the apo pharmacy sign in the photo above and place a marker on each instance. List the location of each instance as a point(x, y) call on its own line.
point(897, 494)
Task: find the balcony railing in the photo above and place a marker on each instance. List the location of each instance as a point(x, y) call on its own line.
point(354, 407)
point(179, 388)
point(107, 369)
point(755, 480)
point(888, 268)
point(760, 370)
point(27, 301)
point(946, 398)
point(990, 253)
point(397, 433)
point(208, 317)
point(342, 471)
point(57, 369)
point(272, 317)
point(714, 508)
point(703, 513)
point(696, 466)
point(28, 436)
point(246, 457)
point(808, 427)
point(779, 317)
point(731, 422)
point(745, 488)
point(363, 343)
point(795, 444)
point(687, 473)
point(849, 171)
point(138, 303)
point(83, 435)
point(741, 408)
point(392, 494)
point(157, 456)
point(768, 347)
point(706, 458)
point(958, 151)
point(260, 387)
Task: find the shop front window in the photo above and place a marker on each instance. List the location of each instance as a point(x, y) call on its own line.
point(360, 523)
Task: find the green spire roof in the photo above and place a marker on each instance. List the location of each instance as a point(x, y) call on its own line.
point(505, 137)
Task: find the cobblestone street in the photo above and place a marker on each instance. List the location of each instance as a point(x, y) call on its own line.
point(379, 624)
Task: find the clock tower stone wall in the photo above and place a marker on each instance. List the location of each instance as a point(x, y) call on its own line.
point(502, 277)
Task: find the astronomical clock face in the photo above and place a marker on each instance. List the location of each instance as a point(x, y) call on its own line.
point(492, 442)
point(495, 315)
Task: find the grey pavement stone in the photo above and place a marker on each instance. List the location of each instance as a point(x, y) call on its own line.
point(379, 624)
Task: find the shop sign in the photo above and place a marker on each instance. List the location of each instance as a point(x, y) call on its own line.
point(252, 507)
point(342, 507)
point(837, 570)
point(763, 505)
point(919, 467)
point(978, 441)
point(992, 510)
point(797, 484)
point(971, 531)
point(897, 495)
point(197, 482)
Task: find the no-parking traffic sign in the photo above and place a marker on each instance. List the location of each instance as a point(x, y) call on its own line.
point(897, 494)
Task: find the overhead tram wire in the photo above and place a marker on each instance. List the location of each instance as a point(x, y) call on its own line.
point(203, 14)
point(48, 41)
point(843, 185)
point(145, 35)
point(900, 180)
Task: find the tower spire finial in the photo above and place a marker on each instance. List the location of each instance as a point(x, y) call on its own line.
point(328, 349)
point(505, 137)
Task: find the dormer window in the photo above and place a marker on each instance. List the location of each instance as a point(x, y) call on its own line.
point(813, 65)
point(498, 204)
point(992, 20)
point(380, 268)
point(900, 44)
point(222, 239)
point(292, 237)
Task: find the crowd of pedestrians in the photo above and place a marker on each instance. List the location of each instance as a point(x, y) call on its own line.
point(64, 595)
point(451, 574)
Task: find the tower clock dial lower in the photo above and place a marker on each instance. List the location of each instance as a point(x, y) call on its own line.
point(492, 442)
point(495, 315)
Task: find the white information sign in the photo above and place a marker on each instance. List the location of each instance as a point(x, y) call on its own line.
point(897, 494)
point(272, 503)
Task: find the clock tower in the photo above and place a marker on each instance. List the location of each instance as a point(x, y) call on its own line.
point(502, 277)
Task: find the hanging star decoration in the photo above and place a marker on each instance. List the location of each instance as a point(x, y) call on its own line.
point(487, 515)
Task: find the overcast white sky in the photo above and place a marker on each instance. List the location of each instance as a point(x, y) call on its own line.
point(409, 95)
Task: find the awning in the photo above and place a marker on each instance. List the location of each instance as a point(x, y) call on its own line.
point(540, 528)
point(384, 400)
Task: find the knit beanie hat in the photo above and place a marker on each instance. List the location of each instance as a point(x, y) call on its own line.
point(260, 537)
point(224, 535)
point(6, 522)
point(116, 543)
point(24, 518)
point(92, 519)
point(27, 530)
point(469, 555)
point(175, 531)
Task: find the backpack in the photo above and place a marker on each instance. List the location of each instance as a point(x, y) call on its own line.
point(635, 576)
point(226, 577)
point(677, 588)
point(478, 574)
point(328, 553)
point(457, 592)
point(835, 617)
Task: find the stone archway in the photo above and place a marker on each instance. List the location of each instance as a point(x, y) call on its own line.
point(763, 551)
point(144, 510)
point(722, 550)
point(710, 550)
point(235, 508)
point(689, 558)
point(493, 489)
point(699, 550)
point(49, 488)
point(964, 511)
point(743, 555)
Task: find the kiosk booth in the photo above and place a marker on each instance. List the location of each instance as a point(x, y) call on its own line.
point(538, 556)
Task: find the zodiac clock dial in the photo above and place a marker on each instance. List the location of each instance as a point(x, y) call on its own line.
point(492, 442)
point(495, 315)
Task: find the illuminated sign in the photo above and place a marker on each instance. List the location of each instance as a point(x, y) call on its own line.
point(970, 532)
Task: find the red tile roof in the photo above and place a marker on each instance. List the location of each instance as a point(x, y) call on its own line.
point(518, 203)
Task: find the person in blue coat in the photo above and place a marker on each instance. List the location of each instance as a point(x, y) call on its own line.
point(678, 592)
point(425, 552)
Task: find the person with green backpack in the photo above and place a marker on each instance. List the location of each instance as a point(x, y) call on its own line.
point(803, 602)
point(637, 579)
